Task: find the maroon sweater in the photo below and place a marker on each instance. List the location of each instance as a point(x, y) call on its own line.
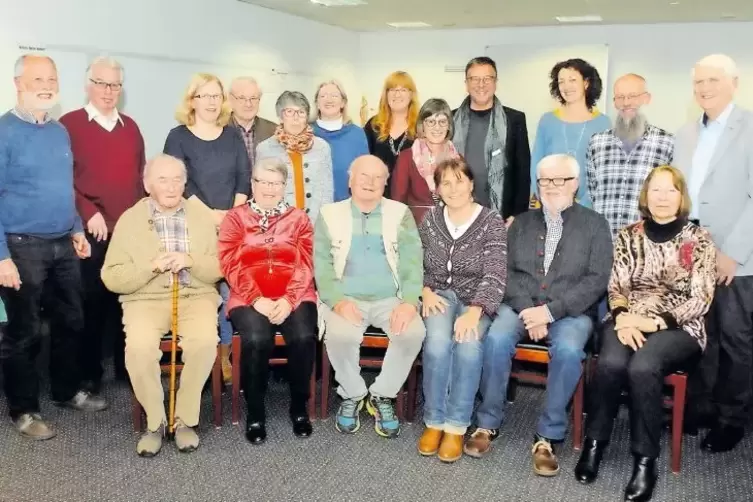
point(107, 166)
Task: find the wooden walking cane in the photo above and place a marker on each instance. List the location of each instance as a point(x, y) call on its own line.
point(173, 353)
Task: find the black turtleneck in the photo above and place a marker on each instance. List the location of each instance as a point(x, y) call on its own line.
point(664, 232)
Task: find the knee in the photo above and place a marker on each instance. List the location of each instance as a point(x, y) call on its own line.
point(413, 336)
point(342, 336)
point(640, 369)
point(568, 351)
point(501, 339)
point(141, 350)
point(608, 366)
point(301, 337)
point(469, 353)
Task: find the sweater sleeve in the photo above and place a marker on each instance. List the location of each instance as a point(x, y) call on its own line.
point(368, 130)
point(206, 264)
point(538, 153)
point(521, 169)
point(622, 271)
point(4, 161)
point(121, 273)
point(516, 295)
point(400, 182)
point(491, 290)
point(362, 144)
point(230, 246)
point(174, 148)
point(410, 267)
point(304, 266)
point(328, 184)
point(328, 285)
point(242, 166)
point(591, 178)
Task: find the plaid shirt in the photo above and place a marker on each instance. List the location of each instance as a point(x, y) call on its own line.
point(248, 139)
point(173, 234)
point(553, 235)
point(615, 177)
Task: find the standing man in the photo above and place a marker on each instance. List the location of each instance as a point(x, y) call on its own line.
point(41, 241)
point(619, 159)
point(108, 160)
point(494, 141)
point(715, 153)
point(245, 95)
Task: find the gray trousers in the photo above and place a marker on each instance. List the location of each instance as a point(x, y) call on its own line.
point(343, 340)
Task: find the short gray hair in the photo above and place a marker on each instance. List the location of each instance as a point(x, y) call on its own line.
point(107, 61)
point(271, 165)
point(20, 65)
point(162, 158)
point(559, 158)
point(720, 62)
point(294, 98)
point(435, 106)
point(245, 78)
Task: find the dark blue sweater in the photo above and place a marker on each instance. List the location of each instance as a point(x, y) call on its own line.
point(36, 181)
point(346, 144)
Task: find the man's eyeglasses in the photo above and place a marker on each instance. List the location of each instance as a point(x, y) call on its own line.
point(481, 80)
point(558, 182)
point(621, 98)
point(102, 85)
point(250, 100)
point(269, 184)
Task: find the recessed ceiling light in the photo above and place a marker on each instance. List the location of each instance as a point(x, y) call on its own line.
point(338, 3)
point(409, 24)
point(674, 3)
point(729, 16)
point(579, 19)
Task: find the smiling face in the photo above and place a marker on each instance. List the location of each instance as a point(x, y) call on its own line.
point(571, 85)
point(368, 176)
point(37, 86)
point(104, 87)
point(268, 187)
point(455, 188)
point(435, 128)
point(713, 89)
point(663, 197)
point(557, 185)
point(207, 102)
point(330, 102)
point(481, 84)
point(629, 96)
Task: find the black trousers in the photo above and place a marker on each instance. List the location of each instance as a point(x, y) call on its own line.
point(103, 318)
point(721, 385)
point(643, 372)
point(47, 266)
point(258, 338)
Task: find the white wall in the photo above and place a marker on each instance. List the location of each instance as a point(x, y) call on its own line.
point(236, 37)
point(664, 54)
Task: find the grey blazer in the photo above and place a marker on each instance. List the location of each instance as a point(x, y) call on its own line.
point(725, 202)
point(317, 173)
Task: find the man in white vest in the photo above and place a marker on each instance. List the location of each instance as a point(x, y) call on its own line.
point(368, 265)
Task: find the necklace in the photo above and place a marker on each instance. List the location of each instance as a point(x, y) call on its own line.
point(573, 152)
point(395, 152)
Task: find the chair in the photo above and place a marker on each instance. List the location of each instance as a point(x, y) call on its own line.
point(165, 346)
point(235, 352)
point(373, 338)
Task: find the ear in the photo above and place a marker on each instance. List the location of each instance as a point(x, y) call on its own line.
point(17, 81)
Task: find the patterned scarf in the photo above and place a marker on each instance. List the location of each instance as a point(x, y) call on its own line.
point(300, 143)
point(426, 163)
point(280, 208)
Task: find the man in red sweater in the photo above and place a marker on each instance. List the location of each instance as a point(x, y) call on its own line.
point(108, 152)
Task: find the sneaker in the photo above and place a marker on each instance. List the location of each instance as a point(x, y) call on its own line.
point(31, 425)
point(150, 443)
point(186, 438)
point(386, 423)
point(347, 420)
point(84, 401)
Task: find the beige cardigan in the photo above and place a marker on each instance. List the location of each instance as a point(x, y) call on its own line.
point(128, 272)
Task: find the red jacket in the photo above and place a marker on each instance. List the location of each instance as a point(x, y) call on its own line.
point(409, 187)
point(275, 264)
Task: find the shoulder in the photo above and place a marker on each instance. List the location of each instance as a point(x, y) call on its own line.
point(630, 231)
point(393, 205)
point(699, 234)
point(369, 125)
point(602, 136)
point(589, 216)
point(298, 216)
point(353, 130)
point(129, 122)
point(492, 218)
point(602, 120)
point(547, 119)
point(266, 123)
point(269, 144)
point(134, 214)
point(74, 116)
point(513, 114)
point(658, 131)
point(179, 132)
point(199, 212)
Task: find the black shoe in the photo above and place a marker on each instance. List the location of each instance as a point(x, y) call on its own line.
point(641, 485)
point(722, 438)
point(92, 386)
point(256, 432)
point(694, 422)
point(301, 426)
point(587, 467)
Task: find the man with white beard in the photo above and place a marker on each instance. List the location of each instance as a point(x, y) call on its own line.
point(620, 159)
point(41, 242)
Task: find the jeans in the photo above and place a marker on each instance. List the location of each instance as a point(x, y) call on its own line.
point(258, 341)
point(226, 327)
point(567, 337)
point(452, 370)
point(50, 266)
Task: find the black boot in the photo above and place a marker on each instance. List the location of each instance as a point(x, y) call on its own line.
point(641, 485)
point(587, 467)
point(256, 432)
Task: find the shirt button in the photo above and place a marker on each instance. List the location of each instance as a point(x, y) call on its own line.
point(308, 195)
point(543, 286)
point(307, 180)
point(541, 237)
point(541, 253)
point(305, 164)
point(307, 210)
point(541, 271)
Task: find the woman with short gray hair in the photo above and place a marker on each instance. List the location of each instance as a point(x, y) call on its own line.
point(308, 159)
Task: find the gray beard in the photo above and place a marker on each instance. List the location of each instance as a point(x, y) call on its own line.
point(630, 130)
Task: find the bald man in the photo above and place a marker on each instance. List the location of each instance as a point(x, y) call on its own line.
point(618, 160)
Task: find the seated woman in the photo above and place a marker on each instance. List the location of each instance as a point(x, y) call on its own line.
point(265, 250)
point(465, 254)
point(413, 178)
point(661, 287)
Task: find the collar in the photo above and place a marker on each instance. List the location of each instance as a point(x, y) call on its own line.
point(560, 216)
point(93, 113)
point(721, 119)
point(27, 116)
point(155, 211)
point(357, 212)
point(558, 112)
point(663, 232)
point(240, 126)
point(330, 125)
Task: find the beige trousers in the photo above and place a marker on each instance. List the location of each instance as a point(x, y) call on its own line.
point(146, 322)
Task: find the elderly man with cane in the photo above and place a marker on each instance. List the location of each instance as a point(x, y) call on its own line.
point(164, 252)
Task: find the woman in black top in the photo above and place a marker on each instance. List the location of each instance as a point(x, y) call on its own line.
point(393, 128)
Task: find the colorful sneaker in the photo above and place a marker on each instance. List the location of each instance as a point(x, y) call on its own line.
point(347, 420)
point(386, 423)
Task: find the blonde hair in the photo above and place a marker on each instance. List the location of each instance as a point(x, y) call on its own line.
point(341, 90)
point(186, 114)
point(383, 118)
point(678, 180)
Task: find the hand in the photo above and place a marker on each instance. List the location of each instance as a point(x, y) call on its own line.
point(400, 317)
point(97, 227)
point(9, 277)
point(534, 316)
point(538, 333)
point(348, 310)
point(81, 245)
point(280, 311)
point(725, 268)
point(466, 326)
point(219, 215)
point(641, 323)
point(174, 262)
point(631, 337)
point(432, 303)
point(264, 306)
point(509, 221)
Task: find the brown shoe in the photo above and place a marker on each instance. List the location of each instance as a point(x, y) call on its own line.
point(544, 460)
point(451, 448)
point(480, 442)
point(227, 368)
point(428, 444)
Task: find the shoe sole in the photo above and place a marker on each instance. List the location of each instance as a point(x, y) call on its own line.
point(358, 421)
point(373, 412)
point(427, 453)
point(546, 474)
point(38, 438)
point(84, 410)
point(451, 460)
point(148, 454)
point(476, 454)
point(188, 449)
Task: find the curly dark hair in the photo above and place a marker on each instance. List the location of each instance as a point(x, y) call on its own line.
point(589, 74)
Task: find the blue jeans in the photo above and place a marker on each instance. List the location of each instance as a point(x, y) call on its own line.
point(452, 370)
point(226, 327)
point(567, 337)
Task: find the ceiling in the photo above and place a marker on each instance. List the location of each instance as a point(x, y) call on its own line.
point(442, 14)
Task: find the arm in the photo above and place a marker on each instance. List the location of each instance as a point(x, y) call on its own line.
point(587, 291)
point(328, 184)
point(739, 242)
point(591, 179)
point(400, 182)
point(491, 290)
point(363, 144)
point(205, 265)
point(619, 282)
point(242, 171)
point(522, 171)
point(120, 273)
point(538, 153)
point(4, 161)
point(328, 285)
point(410, 267)
point(230, 247)
point(142, 160)
point(173, 147)
point(304, 265)
point(516, 295)
point(370, 135)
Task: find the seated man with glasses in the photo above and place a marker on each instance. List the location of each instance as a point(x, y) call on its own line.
point(559, 260)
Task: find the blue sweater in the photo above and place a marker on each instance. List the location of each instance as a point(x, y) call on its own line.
point(36, 181)
point(554, 135)
point(346, 144)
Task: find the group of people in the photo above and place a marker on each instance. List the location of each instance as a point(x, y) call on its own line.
point(437, 226)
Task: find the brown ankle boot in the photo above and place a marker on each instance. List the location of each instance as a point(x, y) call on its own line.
point(227, 368)
point(451, 447)
point(428, 444)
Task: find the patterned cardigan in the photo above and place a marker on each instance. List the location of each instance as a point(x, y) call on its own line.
point(672, 277)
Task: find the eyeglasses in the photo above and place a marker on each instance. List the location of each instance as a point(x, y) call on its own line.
point(621, 98)
point(481, 80)
point(102, 85)
point(558, 182)
point(331, 95)
point(269, 184)
point(208, 97)
point(398, 90)
point(250, 100)
point(431, 123)
point(293, 112)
